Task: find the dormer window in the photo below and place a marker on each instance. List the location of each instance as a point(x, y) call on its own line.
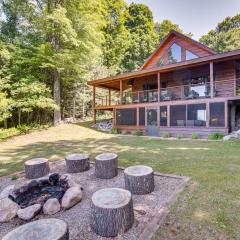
point(174, 54)
point(190, 55)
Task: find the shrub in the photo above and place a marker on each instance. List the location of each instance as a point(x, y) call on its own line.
point(114, 131)
point(195, 136)
point(166, 135)
point(137, 133)
point(179, 136)
point(23, 128)
point(215, 136)
point(124, 132)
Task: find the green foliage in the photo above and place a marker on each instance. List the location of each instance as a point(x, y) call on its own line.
point(143, 38)
point(195, 136)
point(166, 135)
point(114, 131)
point(179, 136)
point(137, 133)
point(165, 27)
point(215, 136)
point(225, 37)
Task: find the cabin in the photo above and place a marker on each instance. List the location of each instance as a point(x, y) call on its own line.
point(184, 87)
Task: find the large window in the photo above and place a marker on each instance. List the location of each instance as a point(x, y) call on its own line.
point(126, 116)
point(163, 116)
point(178, 116)
point(196, 115)
point(175, 54)
point(190, 55)
point(217, 114)
point(142, 116)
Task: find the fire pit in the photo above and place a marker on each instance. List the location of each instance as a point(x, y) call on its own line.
point(39, 191)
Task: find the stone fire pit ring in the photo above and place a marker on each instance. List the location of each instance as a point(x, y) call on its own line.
point(111, 212)
point(44, 229)
point(139, 179)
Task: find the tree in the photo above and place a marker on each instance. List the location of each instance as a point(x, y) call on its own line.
point(143, 39)
point(165, 27)
point(225, 37)
point(115, 33)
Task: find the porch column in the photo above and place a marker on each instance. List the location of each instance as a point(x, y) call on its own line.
point(137, 117)
point(211, 80)
point(109, 97)
point(207, 114)
point(168, 115)
point(159, 86)
point(94, 103)
point(121, 91)
point(226, 114)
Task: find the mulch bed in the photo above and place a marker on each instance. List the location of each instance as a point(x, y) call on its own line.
point(149, 210)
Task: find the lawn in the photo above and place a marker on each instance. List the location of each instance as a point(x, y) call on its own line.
point(207, 209)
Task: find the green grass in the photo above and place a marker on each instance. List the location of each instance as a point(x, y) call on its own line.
point(207, 209)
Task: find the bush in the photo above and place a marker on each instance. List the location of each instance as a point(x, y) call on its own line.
point(166, 135)
point(215, 136)
point(179, 136)
point(10, 132)
point(23, 128)
point(195, 136)
point(137, 133)
point(114, 131)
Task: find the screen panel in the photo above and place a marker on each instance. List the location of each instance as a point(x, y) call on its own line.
point(196, 115)
point(217, 114)
point(163, 116)
point(126, 116)
point(141, 116)
point(178, 116)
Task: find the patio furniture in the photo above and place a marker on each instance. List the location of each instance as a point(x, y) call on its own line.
point(166, 96)
point(106, 165)
point(36, 168)
point(76, 163)
point(111, 212)
point(47, 229)
point(139, 179)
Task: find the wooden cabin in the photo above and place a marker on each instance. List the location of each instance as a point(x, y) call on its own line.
point(184, 87)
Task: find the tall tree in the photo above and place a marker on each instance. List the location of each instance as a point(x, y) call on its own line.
point(225, 37)
point(143, 38)
point(165, 27)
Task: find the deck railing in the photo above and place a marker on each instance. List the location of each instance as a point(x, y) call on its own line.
point(222, 88)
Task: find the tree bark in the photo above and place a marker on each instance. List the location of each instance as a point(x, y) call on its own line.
point(5, 124)
point(57, 96)
point(76, 163)
point(36, 168)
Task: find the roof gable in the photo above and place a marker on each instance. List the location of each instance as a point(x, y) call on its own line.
point(186, 43)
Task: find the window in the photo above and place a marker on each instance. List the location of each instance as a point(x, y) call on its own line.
point(178, 116)
point(126, 116)
point(160, 62)
point(175, 54)
point(163, 116)
point(196, 115)
point(141, 116)
point(190, 55)
point(217, 114)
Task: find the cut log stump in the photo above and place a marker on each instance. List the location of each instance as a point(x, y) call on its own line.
point(111, 212)
point(139, 179)
point(77, 163)
point(36, 168)
point(47, 229)
point(106, 165)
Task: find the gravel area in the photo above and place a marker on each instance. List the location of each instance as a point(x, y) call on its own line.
point(146, 207)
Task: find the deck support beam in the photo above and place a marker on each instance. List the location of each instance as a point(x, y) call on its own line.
point(109, 97)
point(159, 86)
point(121, 91)
point(94, 103)
point(211, 80)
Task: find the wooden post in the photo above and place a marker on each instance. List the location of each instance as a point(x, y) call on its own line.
point(168, 115)
point(211, 79)
point(159, 87)
point(94, 104)
point(226, 114)
point(109, 97)
point(121, 91)
point(137, 117)
point(207, 114)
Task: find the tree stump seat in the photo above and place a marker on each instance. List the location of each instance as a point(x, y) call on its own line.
point(111, 212)
point(106, 165)
point(36, 168)
point(139, 179)
point(76, 163)
point(44, 229)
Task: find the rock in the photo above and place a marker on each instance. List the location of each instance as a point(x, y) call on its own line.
point(71, 197)
point(70, 181)
point(54, 178)
point(29, 212)
point(8, 209)
point(105, 126)
point(232, 136)
point(6, 191)
point(51, 206)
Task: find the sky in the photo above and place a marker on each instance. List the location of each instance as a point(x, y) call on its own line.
point(195, 16)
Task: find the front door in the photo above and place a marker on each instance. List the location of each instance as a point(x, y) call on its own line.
point(152, 118)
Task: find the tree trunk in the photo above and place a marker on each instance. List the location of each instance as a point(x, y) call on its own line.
point(5, 124)
point(83, 107)
point(36, 168)
point(57, 97)
point(19, 116)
